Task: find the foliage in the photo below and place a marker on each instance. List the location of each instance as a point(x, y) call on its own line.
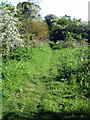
point(63, 44)
point(46, 84)
point(74, 36)
point(58, 34)
point(63, 21)
point(49, 81)
point(31, 30)
point(8, 6)
point(20, 53)
point(50, 20)
point(66, 29)
point(10, 36)
point(32, 36)
point(28, 10)
point(40, 29)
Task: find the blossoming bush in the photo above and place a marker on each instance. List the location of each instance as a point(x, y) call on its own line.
point(10, 37)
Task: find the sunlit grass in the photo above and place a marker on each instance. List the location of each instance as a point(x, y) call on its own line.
point(46, 82)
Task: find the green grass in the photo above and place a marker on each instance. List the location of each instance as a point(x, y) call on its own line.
point(44, 84)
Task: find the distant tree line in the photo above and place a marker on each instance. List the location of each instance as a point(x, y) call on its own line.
point(65, 28)
point(32, 27)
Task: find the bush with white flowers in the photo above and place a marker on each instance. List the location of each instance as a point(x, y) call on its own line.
point(9, 35)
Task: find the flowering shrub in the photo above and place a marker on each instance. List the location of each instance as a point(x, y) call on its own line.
point(9, 34)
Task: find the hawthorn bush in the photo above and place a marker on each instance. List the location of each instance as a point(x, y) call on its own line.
point(9, 34)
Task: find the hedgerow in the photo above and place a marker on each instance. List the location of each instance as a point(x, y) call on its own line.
point(9, 34)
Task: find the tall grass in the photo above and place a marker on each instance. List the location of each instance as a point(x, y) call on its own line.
point(40, 83)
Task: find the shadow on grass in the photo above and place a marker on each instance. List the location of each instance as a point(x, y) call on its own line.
point(48, 116)
point(16, 116)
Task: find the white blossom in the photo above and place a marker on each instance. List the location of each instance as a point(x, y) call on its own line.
point(9, 34)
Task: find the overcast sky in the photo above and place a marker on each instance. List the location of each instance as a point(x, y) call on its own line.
point(74, 8)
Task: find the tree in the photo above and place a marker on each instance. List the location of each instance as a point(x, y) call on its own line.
point(32, 30)
point(63, 21)
point(28, 10)
point(58, 27)
point(8, 6)
point(50, 20)
point(9, 34)
point(63, 27)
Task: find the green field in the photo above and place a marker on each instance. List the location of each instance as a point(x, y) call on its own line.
point(41, 83)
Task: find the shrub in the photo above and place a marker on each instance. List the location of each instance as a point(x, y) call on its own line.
point(81, 37)
point(31, 30)
point(67, 29)
point(32, 36)
point(20, 53)
point(63, 44)
point(40, 29)
point(10, 36)
point(58, 34)
point(70, 36)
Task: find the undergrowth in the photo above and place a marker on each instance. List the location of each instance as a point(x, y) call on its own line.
point(40, 83)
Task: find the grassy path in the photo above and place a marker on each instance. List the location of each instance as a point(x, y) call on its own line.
point(44, 86)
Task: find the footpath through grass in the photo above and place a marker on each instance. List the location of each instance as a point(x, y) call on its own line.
point(44, 84)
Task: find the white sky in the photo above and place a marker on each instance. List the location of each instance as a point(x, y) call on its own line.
point(74, 8)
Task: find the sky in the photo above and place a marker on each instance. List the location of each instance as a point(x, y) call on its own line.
point(73, 8)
